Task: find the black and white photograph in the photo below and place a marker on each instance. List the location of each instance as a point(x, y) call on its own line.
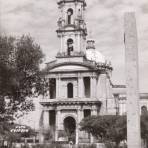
point(73, 73)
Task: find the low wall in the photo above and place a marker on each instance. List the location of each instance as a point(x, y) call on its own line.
point(49, 145)
point(100, 145)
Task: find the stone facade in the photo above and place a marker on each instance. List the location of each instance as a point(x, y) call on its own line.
point(80, 92)
point(79, 86)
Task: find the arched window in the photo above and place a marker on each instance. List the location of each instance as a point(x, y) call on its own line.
point(69, 15)
point(87, 86)
point(52, 88)
point(70, 128)
point(70, 90)
point(69, 46)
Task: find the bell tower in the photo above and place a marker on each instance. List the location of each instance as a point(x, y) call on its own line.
point(72, 30)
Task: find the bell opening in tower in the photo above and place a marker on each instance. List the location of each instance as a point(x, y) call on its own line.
point(69, 15)
point(69, 46)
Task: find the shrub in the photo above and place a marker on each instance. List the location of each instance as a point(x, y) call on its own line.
point(48, 146)
point(87, 146)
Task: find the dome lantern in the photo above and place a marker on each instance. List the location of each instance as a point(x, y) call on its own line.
point(92, 54)
point(90, 44)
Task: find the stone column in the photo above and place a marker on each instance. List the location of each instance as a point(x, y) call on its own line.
point(44, 124)
point(58, 87)
point(102, 92)
point(93, 86)
point(47, 92)
point(76, 43)
point(77, 134)
point(101, 86)
point(80, 87)
point(58, 116)
point(61, 43)
point(132, 81)
point(93, 113)
point(41, 127)
point(59, 79)
point(80, 117)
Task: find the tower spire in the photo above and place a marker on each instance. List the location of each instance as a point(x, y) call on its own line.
point(72, 30)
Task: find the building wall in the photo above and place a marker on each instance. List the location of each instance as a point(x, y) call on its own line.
point(143, 102)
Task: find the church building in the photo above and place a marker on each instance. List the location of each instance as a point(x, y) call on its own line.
point(79, 79)
point(79, 76)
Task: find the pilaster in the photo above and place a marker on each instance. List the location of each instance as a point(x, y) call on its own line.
point(93, 113)
point(58, 85)
point(58, 116)
point(93, 86)
point(77, 134)
point(41, 124)
point(80, 117)
point(47, 90)
point(102, 92)
point(46, 119)
point(80, 86)
point(101, 86)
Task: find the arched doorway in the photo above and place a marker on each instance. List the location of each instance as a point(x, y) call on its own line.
point(70, 128)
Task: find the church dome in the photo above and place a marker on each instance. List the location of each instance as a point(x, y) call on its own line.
point(95, 56)
point(92, 54)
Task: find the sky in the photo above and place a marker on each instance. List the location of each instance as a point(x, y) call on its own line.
point(104, 20)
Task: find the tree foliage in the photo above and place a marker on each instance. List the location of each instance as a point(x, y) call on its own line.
point(111, 127)
point(7, 134)
point(19, 74)
point(106, 128)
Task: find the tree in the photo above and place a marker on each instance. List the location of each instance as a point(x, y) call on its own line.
point(112, 128)
point(144, 128)
point(19, 74)
point(106, 128)
point(15, 132)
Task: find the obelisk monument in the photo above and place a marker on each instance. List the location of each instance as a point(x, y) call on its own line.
point(132, 81)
